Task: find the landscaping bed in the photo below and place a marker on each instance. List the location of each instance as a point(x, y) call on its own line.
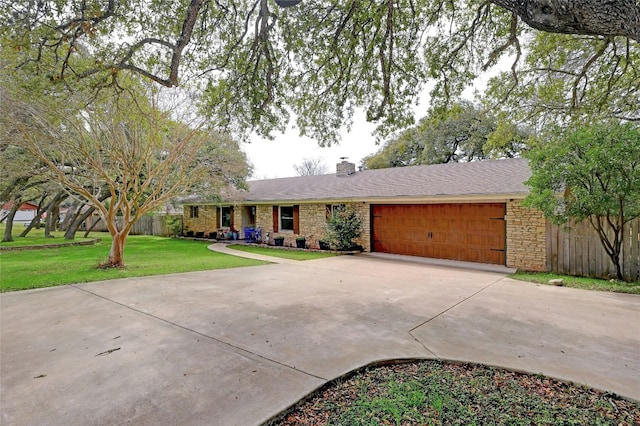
point(437, 393)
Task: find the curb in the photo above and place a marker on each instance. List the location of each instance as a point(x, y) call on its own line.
point(51, 246)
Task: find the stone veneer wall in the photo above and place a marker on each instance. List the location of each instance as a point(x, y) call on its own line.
point(205, 222)
point(264, 219)
point(313, 219)
point(526, 238)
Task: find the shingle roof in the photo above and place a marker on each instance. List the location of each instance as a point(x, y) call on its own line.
point(490, 177)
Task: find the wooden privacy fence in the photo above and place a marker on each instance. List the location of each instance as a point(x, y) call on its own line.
point(578, 251)
point(146, 225)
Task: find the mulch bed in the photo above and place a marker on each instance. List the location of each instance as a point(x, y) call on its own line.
point(437, 393)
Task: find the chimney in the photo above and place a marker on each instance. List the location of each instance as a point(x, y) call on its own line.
point(345, 168)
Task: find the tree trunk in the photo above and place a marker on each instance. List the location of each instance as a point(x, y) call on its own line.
point(53, 212)
point(612, 248)
point(116, 254)
point(49, 223)
point(617, 249)
point(35, 222)
point(72, 212)
point(590, 17)
point(93, 225)
point(8, 230)
point(70, 234)
point(616, 261)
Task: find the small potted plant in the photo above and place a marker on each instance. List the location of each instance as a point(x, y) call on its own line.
point(200, 234)
point(278, 241)
point(324, 245)
point(301, 242)
point(190, 233)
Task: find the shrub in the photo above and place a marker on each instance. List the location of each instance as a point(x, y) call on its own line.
point(344, 226)
point(174, 224)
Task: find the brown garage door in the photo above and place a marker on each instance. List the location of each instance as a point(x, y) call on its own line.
point(470, 232)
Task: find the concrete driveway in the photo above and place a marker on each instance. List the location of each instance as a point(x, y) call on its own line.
point(235, 347)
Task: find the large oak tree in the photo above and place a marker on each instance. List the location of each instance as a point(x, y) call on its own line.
point(253, 63)
point(460, 133)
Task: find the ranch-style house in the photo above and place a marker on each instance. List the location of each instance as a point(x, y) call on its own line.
point(460, 211)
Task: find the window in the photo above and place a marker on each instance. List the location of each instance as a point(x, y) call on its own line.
point(286, 218)
point(226, 217)
point(193, 212)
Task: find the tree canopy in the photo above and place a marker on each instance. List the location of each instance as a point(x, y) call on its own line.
point(462, 132)
point(253, 64)
point(590, 172)
point(125, 156)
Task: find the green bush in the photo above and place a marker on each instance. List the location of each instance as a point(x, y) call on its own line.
point(174, 224)
point(343, 227)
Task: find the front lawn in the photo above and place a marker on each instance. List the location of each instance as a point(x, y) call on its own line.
point(579, 282)
point(144, 255)
point(283, 253)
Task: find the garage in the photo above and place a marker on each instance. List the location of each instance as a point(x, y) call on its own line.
point(469, 232)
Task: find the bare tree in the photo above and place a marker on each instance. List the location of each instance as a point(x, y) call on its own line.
point(311, 167)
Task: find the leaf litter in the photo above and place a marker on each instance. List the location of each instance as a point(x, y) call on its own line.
point(438, 393)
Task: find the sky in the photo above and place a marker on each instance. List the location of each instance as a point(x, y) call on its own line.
point(276, 158)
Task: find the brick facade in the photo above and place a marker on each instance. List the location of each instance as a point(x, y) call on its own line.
point(312, 222)
point(207, 220)
point(313, 219)
point(526, 228)
point(526, 238)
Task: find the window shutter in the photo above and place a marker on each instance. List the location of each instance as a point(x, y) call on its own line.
point(231, 220)
point(218, 218)
point(328, 211)
point(275, 219)
point(296, 219)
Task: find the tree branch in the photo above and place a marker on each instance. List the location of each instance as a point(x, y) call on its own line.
point(589, 17)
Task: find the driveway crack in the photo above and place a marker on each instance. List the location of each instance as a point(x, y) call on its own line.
point(444, 312)
point(219, 341)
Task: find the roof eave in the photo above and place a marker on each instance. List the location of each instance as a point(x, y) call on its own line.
point(503, 197)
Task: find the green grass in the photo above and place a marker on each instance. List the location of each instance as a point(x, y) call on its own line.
point(579, 282)
point(283, 253)
point(144, 255)
point(436, 393)
point(36, 237)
